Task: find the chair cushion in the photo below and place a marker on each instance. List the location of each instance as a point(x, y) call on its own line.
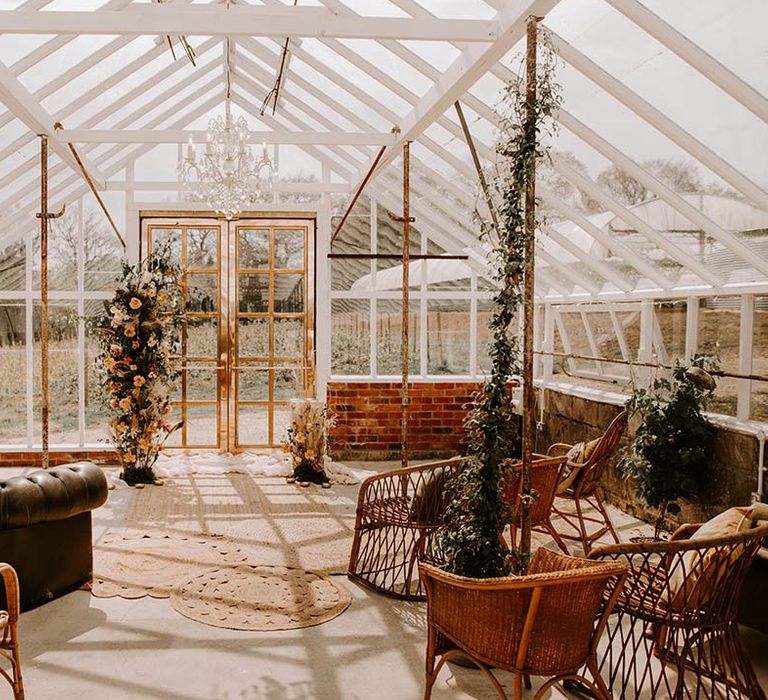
point(578, 454)
point(695, 574)
point(427, 502)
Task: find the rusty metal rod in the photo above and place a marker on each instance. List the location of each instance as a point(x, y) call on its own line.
point(44, 413)
point(654, 365)
point(358, 192)
point(478, 168)
point(87, 177)
point(406, 298)
point(529, 397)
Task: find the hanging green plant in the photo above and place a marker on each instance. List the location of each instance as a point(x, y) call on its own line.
point(475, 516)
point(139, 333)
point(671, 454)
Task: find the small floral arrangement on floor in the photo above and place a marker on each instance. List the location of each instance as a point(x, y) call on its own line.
point(307, 441)
point(139, 333)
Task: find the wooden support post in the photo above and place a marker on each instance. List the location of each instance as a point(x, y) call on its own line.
point(406, 283)
point(44, 296)
point(529, 398)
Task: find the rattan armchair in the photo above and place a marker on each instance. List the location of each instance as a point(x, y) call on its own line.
point(547, 623)
point(674, 633)
point(397, 515)
point(580, 487)
point(545, 476)
point(9, 643)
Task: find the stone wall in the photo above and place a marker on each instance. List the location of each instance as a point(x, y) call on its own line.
point(734, 458)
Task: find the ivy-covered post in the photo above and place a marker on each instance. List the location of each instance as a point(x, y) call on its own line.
point(529, 399)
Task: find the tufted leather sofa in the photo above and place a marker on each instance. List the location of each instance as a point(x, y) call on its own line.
point(45, 528)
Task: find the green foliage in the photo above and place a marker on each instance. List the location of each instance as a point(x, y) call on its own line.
point(475, 515)
point(670, 455)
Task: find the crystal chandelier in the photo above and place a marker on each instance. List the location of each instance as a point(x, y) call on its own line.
point(226, 175)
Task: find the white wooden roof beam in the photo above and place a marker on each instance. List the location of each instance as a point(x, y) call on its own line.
point(175, 185)
point(671, 197)
point(586, 185)
point(21, 102)
point(466, 69)
point(282, 136)
point(660, 121)
point(694, 56)
point(245, 21)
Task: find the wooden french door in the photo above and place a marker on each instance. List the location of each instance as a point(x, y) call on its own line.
point(248, 341)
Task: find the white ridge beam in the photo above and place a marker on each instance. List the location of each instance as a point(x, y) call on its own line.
point(175, 185)
point(694, 56)
point(245, 21)
point(19, 101)
point(660, 121)
point(181, 136)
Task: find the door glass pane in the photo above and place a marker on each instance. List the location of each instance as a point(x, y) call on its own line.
point(288, 383)
point(253, 248)
point(289, 294)
point(254, 294)
point(201, 384)
point(201, 337)
point(201, 425)
point(281, 419)
point(202, 293)
point(289, 337)
point(253, 383)
point(289, 249)
point(168, 236)
point(253, 337)
point(253, 425)
point(202, 248)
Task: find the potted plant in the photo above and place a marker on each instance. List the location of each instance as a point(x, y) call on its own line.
point(307, 442)
point(139, 334)
point(670, 455)
point(470, 540)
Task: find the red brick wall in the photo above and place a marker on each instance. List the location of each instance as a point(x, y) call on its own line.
point(34, 459)
point(368, 418)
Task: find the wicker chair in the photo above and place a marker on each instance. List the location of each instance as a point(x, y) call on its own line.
point(9, 643)
point(397, 514)
point(545, 476)
point(674, 633)
point(580, 486)
point(547, 623)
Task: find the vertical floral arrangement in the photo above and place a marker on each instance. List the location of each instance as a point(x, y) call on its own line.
point(139, 335)
point(307, 441)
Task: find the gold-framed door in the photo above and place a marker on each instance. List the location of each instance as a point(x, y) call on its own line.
point(248, 326)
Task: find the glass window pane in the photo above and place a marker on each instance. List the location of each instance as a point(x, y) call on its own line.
point(202, 247)
point(202, 383)
point(201, 426)
point(289, 249)
point(350, 336)
point(760, 360)
point(202, 293)
point(253, 383)
point(202, 340)
point(167, 236)
point(448, 337)
point(289, 382)
point(13, 363)
point(388, 337)
point(719, 321)
point(484, 335)
point(253, 425)
point(253, 248)
point(12, 267)
point(289, 294)
point(289, 337)
point(254, 294)
point(253, 337)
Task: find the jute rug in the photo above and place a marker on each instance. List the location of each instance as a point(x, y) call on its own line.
point(191, 523)
point(260, 598)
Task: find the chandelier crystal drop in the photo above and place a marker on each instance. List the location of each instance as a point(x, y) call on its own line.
point(226, 175)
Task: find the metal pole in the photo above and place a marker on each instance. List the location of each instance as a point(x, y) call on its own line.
point(529, 398)
point(44, 295)
point(406, 283)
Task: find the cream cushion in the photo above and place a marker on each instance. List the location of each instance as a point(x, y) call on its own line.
point(578, 454)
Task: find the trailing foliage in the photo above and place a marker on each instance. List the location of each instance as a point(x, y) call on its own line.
point(475, 516)
point(670, 456)
point(139, 333)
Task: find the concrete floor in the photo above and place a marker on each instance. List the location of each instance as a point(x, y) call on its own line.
point(80, 647)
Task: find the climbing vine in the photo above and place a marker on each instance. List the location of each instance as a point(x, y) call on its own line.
point(475, 516)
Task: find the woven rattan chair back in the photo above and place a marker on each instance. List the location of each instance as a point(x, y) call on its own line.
point(9, 642)
point(582, 514)
point(397, 515)
point(674, 632)
point(546, 623)
point(545, 476)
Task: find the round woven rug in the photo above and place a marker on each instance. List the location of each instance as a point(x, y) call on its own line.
point(260, 598)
